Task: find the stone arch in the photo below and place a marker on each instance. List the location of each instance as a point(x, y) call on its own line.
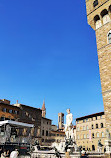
point(104, 12)
point(101, 125)
point(109, 9)
point(96, 18)
point(105, 16)
point(102, 134)
point(97, 21)
point(109, 37)
point(97, 135)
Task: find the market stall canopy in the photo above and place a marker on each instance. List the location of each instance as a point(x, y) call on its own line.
point(15, 123)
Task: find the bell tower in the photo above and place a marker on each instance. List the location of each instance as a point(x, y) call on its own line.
point(99, 18)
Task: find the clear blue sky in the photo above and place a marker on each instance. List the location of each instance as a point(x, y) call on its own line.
point(48, 50)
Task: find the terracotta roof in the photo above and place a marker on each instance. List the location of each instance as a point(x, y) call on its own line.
point(88, 116)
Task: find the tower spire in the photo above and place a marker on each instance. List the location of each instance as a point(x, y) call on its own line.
point(43, 109)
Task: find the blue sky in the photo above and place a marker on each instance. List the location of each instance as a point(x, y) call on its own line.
point(48, 50)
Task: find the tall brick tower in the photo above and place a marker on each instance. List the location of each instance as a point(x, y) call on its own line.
point(43, 110)
point(99, 18)
point(60, 120)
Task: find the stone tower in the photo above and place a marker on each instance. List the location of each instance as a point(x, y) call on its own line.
point(43, 110)
point(99, 18)
point(60, 120)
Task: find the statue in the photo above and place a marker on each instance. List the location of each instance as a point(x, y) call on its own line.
point(8, 132)
point(100, 146)
point(68, 126)
point(99, 143)
point(57, 153)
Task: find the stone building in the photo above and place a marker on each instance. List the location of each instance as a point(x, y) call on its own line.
point(45, 131)
point(90, 129)
point(45, 127)
point(99, 18)
point(30, 115)
point(57, 136)
point(8, 111)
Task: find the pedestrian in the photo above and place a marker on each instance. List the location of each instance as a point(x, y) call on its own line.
point(3, 155)
point(8, 154)
point(14, 154)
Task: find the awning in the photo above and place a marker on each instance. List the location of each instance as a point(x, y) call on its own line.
point(16, 123)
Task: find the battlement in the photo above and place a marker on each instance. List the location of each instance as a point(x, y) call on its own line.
point(98, 12)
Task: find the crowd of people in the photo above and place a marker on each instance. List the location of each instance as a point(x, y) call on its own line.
point(8, 154)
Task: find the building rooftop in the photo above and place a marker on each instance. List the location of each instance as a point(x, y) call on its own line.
point(89, 116)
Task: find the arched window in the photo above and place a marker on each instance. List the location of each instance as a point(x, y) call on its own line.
point(102, 125)
point(78, 129)
point(87, 127)
point(110, 8)
point(97, 135)
point(102, 134)
point(109, 37)
point(84, 136)
point(84, 128)
point(97, 21)
point(87, 135)
point(95, 3)
point(92, 135)
point(92, 127)
point(105, 16)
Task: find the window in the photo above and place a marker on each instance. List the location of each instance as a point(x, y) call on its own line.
point(105, 16)
point(84, 128)
point(101, 125)
point(46, 133)
point(77, 121)
point(78, 129)
point(87, 127)
point(96, 117)
point(43, 132)
point(86, 119)
point(101, 117)
point(96, 125)
point(4, 109)
point(10, 111)
point(102, 134)
point(109, 37)
point(95, 3)
point(84, 136)
point(97, 21)
point(2, 118)
point(97, 135)
point(87, 135)
point(92, 118)
point(92, 127)
point(92, 135)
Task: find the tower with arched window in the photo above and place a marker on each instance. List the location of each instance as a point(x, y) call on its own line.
point(99, 18)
